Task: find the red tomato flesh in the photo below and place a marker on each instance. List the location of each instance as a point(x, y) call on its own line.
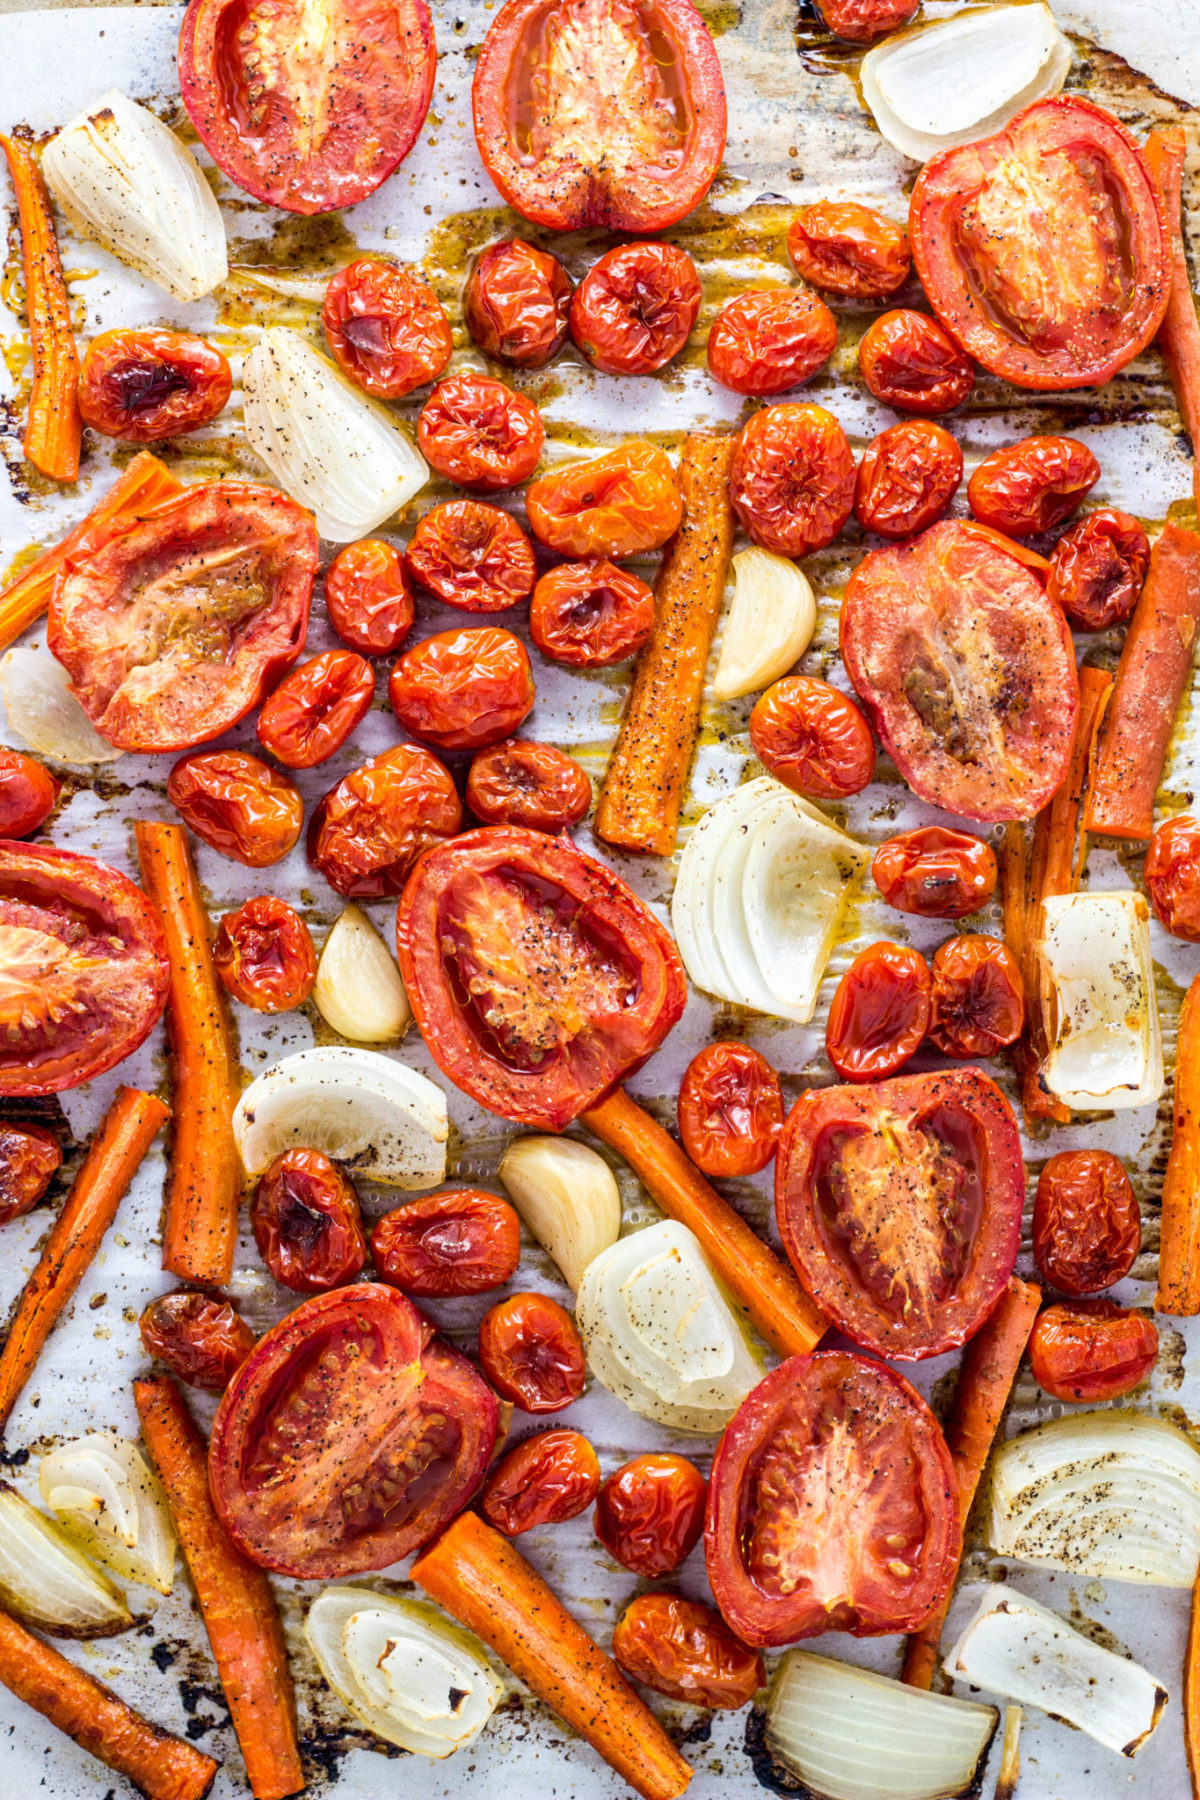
point(1085, 1351)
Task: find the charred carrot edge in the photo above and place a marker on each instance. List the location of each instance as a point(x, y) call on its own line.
point(1179, 334)
point(1179, 1255)
point(647, 773)
point(985, 1382)
point(204, 1178)
point(1191, 1694)
point(484, 1582)
point(236, 1602)
point(53, 428)
point(763, 1285)
point(130, 1126)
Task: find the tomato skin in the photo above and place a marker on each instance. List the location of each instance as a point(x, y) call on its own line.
point(879, 1012)
point(614, 505)
point(517, 782)
point(812, 738)
point(1084, 1351)
point(687, 1652)
point(978, 996)
point(29, 1156)
point(264, 956)
point(472, 556)
point(1098, 569)
point(589, 615)
point(532, 1354)
point(237, 804)
point(1172, 876)
point(1032, 486)
point(848, 249)
point(1087, 1225)
point(635, 308)
point(909, 362)
point(307, 1223)
point(792, 481)
point(461, 690)
point(201, 1339)
point(935, 872)
point(544, 1480)
point(650, 1513)
point(730, 1110)
point(316, 707)
point(367, 832)
point(907, 478)
point(518, 303)
point(28, 794)
point(368, 597)
point(763, 343)
point(861, 21)
point(461, 1241)
point(386, 328)
point(151, 384)
point(479, 433)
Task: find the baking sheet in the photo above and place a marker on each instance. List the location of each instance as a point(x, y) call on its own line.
point(797, 132)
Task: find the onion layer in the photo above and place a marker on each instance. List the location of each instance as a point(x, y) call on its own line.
point(47, 1582)
point(108, 1502)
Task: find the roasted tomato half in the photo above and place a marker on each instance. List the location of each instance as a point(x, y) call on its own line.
point(479, 433)
point(765, 342)
point(463, 689)
point(1085, 1351)
point(367, 831)
point(472, 556)
point(538, 979)
point(369, 598)
point(174, 630)
point(386, 327)
point(792, 481)
point(29, 1156)
point(900, 1206)
point(685, 1650)
point(600, 112)
point(634, 309)
point(907, 478)
point(849, 249)
point(909, 362)
point(730, 1110)
point(935, 872)
point(832, 1505)
point(28, 794)
point(590, 614)
point(264, 955)
point(1032, 486)
point(547, 1479)
point(199, 1337)
point(349, 1436)
point(517, 303)
point(1172, 876)
point(879, 1012)
point(314, 709)
point(618, 504)
point(1045, 250)
point(967, 670)
point(151, 384)
point(238, 804)
point(518, 782)
point(1087, 1225)
point(1098, 568)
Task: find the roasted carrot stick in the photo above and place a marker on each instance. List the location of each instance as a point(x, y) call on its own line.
point(763, 1286)
point(648, 771)
point(204, 1177)
point(129, 1128)
point(1191, 1694)
point(1179, 1254)
point(236, 1602)
point(1179, 334)
point(484, 1582)
point(985, 1381)
point(53, 428)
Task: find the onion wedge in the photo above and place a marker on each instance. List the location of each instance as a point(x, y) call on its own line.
point(1105, 1044)
point(47, 1582)
point(111, 1505)
point(43, 711)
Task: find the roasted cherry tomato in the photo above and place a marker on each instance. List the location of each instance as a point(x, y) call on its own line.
point(28, 794)
point(687, 1652)
point(909, 362)
point(351, 1434)
point(1172, 876)
point(860, 21)
point(1032, 486)
point(368, 597)
point(532, 1354)
point(767, 341)
point(537, 977)
point(832, 1506)
point(590, 614)
point(849, 249)
point(1045, 250)
point(907, 478)
point(463, 689)
point(386, 327)
point(264, 955)
point(545, 1480)
point(314, 709)
point(518, 303)
point(650, 1513)
point(479, 433)
point(200, 1338)
point(967, 671)
point(618, 504)
point(517, 782)
point(978, 996)
point(307, 112)
point(230, 567)
point(472, 556)
point(84, 967)
point(1098, 568)
point(635, 308)
point(792, 482)
point(879, 1012)
point(935, 872)
point(900, 1206)
point(307, 1223)
point(812, 738)
point(1087, 1226)
point(367, 832)
point(150, 384)
point(600, 113)
point(1084, 1351)
point(730, 1110)
point(29, 1155)
point(462, 1241)
point(238, 804)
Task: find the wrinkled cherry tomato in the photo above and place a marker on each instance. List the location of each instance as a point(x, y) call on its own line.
point(369, 598)
point(518, 303)
point(1032, 486)
point(28, 794)
point(812, 738)
point(237, 804)
point(200, 1338)
point(472, 556)
point(264, 955)
point(859, 21)
point(1172, 876)
point(532, 1354)
point(1098, 568)
point(909, 362)
point(307, 1223)
point(650, 1513)
point(462, 1241)
point(618, 504)
point(29, 1155)
point(978, 996)
point(767, 341)
point(730, 1110)
point(686, 1651)
point(479, 433)
point(517, 782)
point(879, 1013)
point(935, 872)
point(634, 309)
point(386, 328)
point(590, 614)
point(545, 1480)
point(314, 709)
point(151, 384)
point(849, 249)
point(792, 482)
point(463, 689)
point(1090, 1350)
point(907, 478)
point(367, 832)
point(1087, 1226)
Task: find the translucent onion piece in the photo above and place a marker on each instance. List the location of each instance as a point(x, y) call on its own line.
point(1094, 957)
point(47, 1582)
point(567, 1195)
point(43, 711)
point(128, 182)
point(769, 624)
point(358, 989)
point(109, 1502)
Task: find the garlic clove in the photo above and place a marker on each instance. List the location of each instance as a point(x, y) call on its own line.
point(567, 1195)
point(770, 623)
point(358, 988)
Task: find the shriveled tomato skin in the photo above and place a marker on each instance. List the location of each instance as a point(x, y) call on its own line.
point(765, 342)
point(907, 478)
point(614, 505)
point(532, 1354)
point(879, 1012)
point(367, 831)
point(1099, 568)
point(316, 707)
point(935, 872)
point(1087, 1225)
point(978, 996)
point(635, 308)
point(792, 481)
point(472, 556)
point(812, 738)
point(28, 794)
point(730, 1110)
point(307, 1223)
point(200, 1338)
point(463, 689)
point(589, 615)
point(862, 21)
point(909, 362)
point(461, 1241)
point(152, 383)
point(849, 249)
point(517, 782)
point(684, 1650)
point(479, 433)
point(1172, 876)
point(544, 1480)
point(650, 1513)
point(29, 1156)
point(386, 328)
point(238, 804)
point(1032, 486)
point(368, 597)
point(264, 955)
point(1085, 1351)
point(518, 303)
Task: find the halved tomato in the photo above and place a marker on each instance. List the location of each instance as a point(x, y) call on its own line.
point(308, 104)
point(83, 968)
point(1045, 250)
point(349, 1436)
point(538, 979)
point(967, 670)
point(832, 1505)
point(900, 1205)
point(600, 112)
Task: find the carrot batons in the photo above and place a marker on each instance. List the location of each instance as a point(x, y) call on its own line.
point(1179, 1256)
point(1179, 334)
point(53, 427)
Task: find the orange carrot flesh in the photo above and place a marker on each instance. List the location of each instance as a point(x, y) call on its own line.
point(1165, 150)
point(763, 1286)
point(53, 427)
point(483, 1581)
point(1179, 1255)
point(1191, 1694)
point(204, 1177)
point(130, 1126)
point(236, 1602)
point(647, 773)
